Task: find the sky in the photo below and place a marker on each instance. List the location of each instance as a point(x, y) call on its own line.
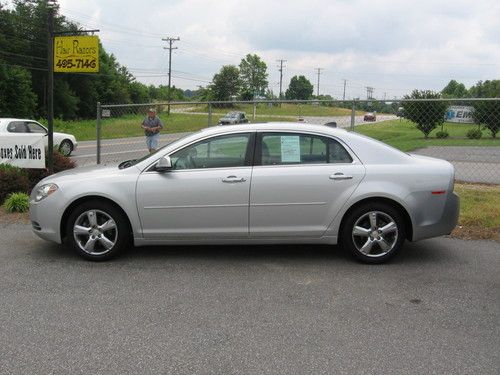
point(390, 45)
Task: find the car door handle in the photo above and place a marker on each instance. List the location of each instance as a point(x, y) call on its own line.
point(340, 176)
point(233, 179)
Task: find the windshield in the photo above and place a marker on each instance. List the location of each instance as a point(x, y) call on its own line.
point(129, 163)
point(232, 115)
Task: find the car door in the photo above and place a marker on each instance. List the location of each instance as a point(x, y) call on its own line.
point(299, 183)
point(205, 194)
point(36, 128)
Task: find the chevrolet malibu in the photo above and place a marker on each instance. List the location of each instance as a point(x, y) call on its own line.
point(262, 184)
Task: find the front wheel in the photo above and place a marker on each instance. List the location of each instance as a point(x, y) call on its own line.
point(373, 232)
point(97, 230)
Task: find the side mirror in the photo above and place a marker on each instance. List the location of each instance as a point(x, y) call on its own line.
point(164, 164)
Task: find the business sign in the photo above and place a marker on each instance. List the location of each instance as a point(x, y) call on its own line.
point(460, 113)
point(23, 151)
point(76, 54)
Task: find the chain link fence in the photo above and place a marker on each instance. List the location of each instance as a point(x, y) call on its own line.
point(461, 131)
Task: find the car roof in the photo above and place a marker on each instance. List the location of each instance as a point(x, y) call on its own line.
point(274, 126)
point(9, 119)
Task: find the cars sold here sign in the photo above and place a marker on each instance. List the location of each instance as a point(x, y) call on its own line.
point(76, 54)
point(24, 151)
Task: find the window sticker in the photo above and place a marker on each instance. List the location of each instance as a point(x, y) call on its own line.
point(290, 149)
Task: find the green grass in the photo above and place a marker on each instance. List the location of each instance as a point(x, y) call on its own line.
point(403, 135)
point(479, 212)
point(130, 125)
point(286, 109)
point(479, 205)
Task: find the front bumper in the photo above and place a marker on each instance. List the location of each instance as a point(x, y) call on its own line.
point(45, 217)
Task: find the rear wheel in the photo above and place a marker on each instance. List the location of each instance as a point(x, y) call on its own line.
point(97, 230)
point(373, 232)
point(66, 147)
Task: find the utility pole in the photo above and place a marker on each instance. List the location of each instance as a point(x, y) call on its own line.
point(170, 48)
point(343, 95)
point(50, 86)
point(319, 72)
point(385, 95)
point(281, 61)
point(369, 92)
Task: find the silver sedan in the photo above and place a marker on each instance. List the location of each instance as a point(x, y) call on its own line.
point(259, 184)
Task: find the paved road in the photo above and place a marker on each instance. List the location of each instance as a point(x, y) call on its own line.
point(472, 164)
point(249, 310)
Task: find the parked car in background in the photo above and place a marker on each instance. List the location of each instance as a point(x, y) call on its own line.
point(66, 143)
point(370, 116)
point(331, 124)
point(262, 183)
point(233, 118)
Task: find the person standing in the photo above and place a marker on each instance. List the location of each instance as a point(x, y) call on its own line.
point(152, 126)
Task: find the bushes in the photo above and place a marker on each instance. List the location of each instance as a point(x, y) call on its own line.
point(442, 134)
point(17, 202)
point(474, 133)
point(15, 180)
point(61, 163)
point(12, 179)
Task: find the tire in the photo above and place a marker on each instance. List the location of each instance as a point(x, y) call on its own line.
point(103, 239)
point(66, 147)
point(373, 232)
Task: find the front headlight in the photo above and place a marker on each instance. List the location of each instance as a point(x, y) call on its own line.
point(44, 191)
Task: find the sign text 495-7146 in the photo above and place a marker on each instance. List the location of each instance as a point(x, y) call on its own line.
point(76, 54)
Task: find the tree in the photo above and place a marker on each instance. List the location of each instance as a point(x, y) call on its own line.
point(299, 88)
point(486, 89)
point(253, 74)
point(226, 83)
point(487, 113)
point(454, 89)
point(426, 114)
point(17, 99)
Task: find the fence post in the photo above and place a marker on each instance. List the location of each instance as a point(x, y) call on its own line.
point(353, 114)
point(209, 114)
point(254, 111)
point(98, 133)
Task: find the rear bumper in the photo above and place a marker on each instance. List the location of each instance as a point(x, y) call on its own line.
point(445, 224)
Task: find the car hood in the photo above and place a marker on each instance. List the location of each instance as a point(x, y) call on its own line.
point(86, 173)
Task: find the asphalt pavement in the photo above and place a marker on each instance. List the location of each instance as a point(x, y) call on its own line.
point(249, 310)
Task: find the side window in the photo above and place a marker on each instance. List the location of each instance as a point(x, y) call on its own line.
point(292, 148)
point(35, 128)
point(218, 152)
point(17, 127)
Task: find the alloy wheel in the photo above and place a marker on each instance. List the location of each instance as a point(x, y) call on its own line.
point(95, 232)
point(375, 234)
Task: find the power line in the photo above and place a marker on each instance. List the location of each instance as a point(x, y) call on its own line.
point(20, 55)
